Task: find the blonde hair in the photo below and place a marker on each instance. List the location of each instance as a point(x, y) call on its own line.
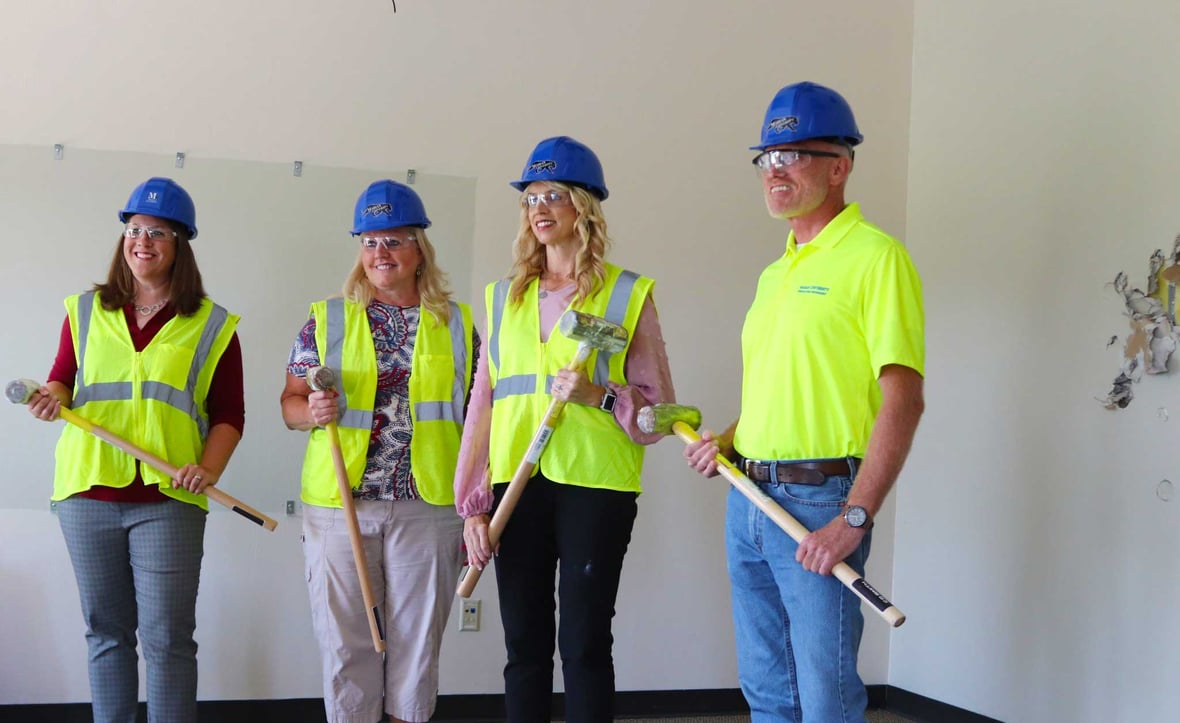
point(431, 282)
point(528, 255)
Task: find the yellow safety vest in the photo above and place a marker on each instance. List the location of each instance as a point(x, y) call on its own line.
point(154, 398)
point(588, 448)
point(440, 377)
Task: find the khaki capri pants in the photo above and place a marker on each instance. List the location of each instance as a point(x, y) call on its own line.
point(413, 550)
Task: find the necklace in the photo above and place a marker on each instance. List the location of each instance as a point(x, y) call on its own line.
point(149, 310)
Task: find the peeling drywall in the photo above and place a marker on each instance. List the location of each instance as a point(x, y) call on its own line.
point(1152, 313)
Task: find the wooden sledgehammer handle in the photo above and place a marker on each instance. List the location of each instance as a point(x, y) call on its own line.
point(354, 537)
point(842, 571)
point(167, 468)
point(524, 473)
point(323, 378)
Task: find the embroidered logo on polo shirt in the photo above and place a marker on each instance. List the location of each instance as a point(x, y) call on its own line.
point(812, 289)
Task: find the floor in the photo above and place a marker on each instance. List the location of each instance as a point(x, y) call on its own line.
point(874, 716)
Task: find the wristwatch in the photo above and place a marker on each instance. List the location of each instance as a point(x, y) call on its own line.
point(608, 401)
point(857, 516)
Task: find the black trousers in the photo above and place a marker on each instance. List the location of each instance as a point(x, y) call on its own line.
point(585, 532)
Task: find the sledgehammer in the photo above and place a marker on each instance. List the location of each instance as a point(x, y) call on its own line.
point(683, 421)
point(591, 332)
point(22, 390)
point(322, 379)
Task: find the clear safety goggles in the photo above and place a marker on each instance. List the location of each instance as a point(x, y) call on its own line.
point(549, 198)
point(785, 158)
point(389, 243)
point(151, 232)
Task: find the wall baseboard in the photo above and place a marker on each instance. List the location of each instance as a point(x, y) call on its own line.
point(490, 707)
point(921, 708)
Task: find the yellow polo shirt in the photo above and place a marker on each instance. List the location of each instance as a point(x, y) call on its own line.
point(825, 319)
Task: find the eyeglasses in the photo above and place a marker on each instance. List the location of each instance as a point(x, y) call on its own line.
point(549, 198)
point(780, 159)
point(153, 233)
point(389, 243)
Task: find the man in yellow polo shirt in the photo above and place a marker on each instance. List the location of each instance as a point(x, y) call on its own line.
point(833, 355)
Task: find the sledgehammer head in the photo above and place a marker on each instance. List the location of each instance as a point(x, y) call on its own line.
point(593, 331)
point(321, 379)
point(20, 391)
point(659, 418)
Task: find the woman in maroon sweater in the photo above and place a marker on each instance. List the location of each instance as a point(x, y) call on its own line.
point(148, 356)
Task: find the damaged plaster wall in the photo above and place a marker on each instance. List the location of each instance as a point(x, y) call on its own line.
point(1152, 313)
point(1037, 543)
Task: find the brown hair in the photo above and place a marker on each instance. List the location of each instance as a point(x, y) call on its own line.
point(528, 255)
point(185, 292)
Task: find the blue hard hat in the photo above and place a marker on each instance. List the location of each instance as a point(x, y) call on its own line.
point(808, 110)
point(563, 159)
point(163, 198)
point(388, 204)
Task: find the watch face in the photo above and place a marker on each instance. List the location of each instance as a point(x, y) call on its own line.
point(856, 516)
point(608, 401)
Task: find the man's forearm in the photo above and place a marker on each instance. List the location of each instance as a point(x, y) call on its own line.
point(893, 434)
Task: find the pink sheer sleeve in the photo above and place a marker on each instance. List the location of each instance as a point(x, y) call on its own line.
point(649, 378)
point(473, 492)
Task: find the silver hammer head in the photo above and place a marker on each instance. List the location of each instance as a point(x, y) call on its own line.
point(20, 391)
point(658, 418)
point(593, 331)
point(321, 379)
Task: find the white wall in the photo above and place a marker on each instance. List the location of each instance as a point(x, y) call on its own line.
point(1038, 565)
point(670, 94)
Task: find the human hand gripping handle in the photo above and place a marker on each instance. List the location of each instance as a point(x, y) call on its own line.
point(591, 332)
point(324, 379)
point(683, 422)
point(22, 391)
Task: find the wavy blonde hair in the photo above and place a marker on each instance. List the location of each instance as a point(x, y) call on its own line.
point(431, 282)
point(528, 255)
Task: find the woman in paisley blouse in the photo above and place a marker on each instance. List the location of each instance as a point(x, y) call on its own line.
point(404, 355)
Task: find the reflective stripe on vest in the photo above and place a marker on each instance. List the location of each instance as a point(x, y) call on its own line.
point(616, 312)
point(350, 418)
point(589, 449)
point(146, 396)
point(499, 298)
point(180, 399)
point(438, 386)
point(442, 411)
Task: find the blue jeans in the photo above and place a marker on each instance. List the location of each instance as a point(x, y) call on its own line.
point(797, 632)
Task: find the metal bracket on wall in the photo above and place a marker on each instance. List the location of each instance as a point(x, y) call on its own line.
point(180, 160)
point(410, 176)
point(298, 170)
point(58, 151)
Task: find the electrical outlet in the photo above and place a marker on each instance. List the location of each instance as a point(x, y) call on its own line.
point(469, 615)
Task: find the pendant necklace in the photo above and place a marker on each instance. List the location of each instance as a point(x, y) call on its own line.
point(148, 310)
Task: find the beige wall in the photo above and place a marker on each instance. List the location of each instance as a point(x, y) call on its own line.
point(1039, 566)
point(669, 93)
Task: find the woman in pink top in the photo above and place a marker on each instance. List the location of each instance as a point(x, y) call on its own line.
point(578, 509)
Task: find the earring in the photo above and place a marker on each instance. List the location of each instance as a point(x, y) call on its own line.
point(418, 272)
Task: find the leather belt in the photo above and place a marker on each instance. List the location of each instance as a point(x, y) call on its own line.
point(812, 472)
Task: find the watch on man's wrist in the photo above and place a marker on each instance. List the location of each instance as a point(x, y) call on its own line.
point(608, 401)
point(857, 516)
